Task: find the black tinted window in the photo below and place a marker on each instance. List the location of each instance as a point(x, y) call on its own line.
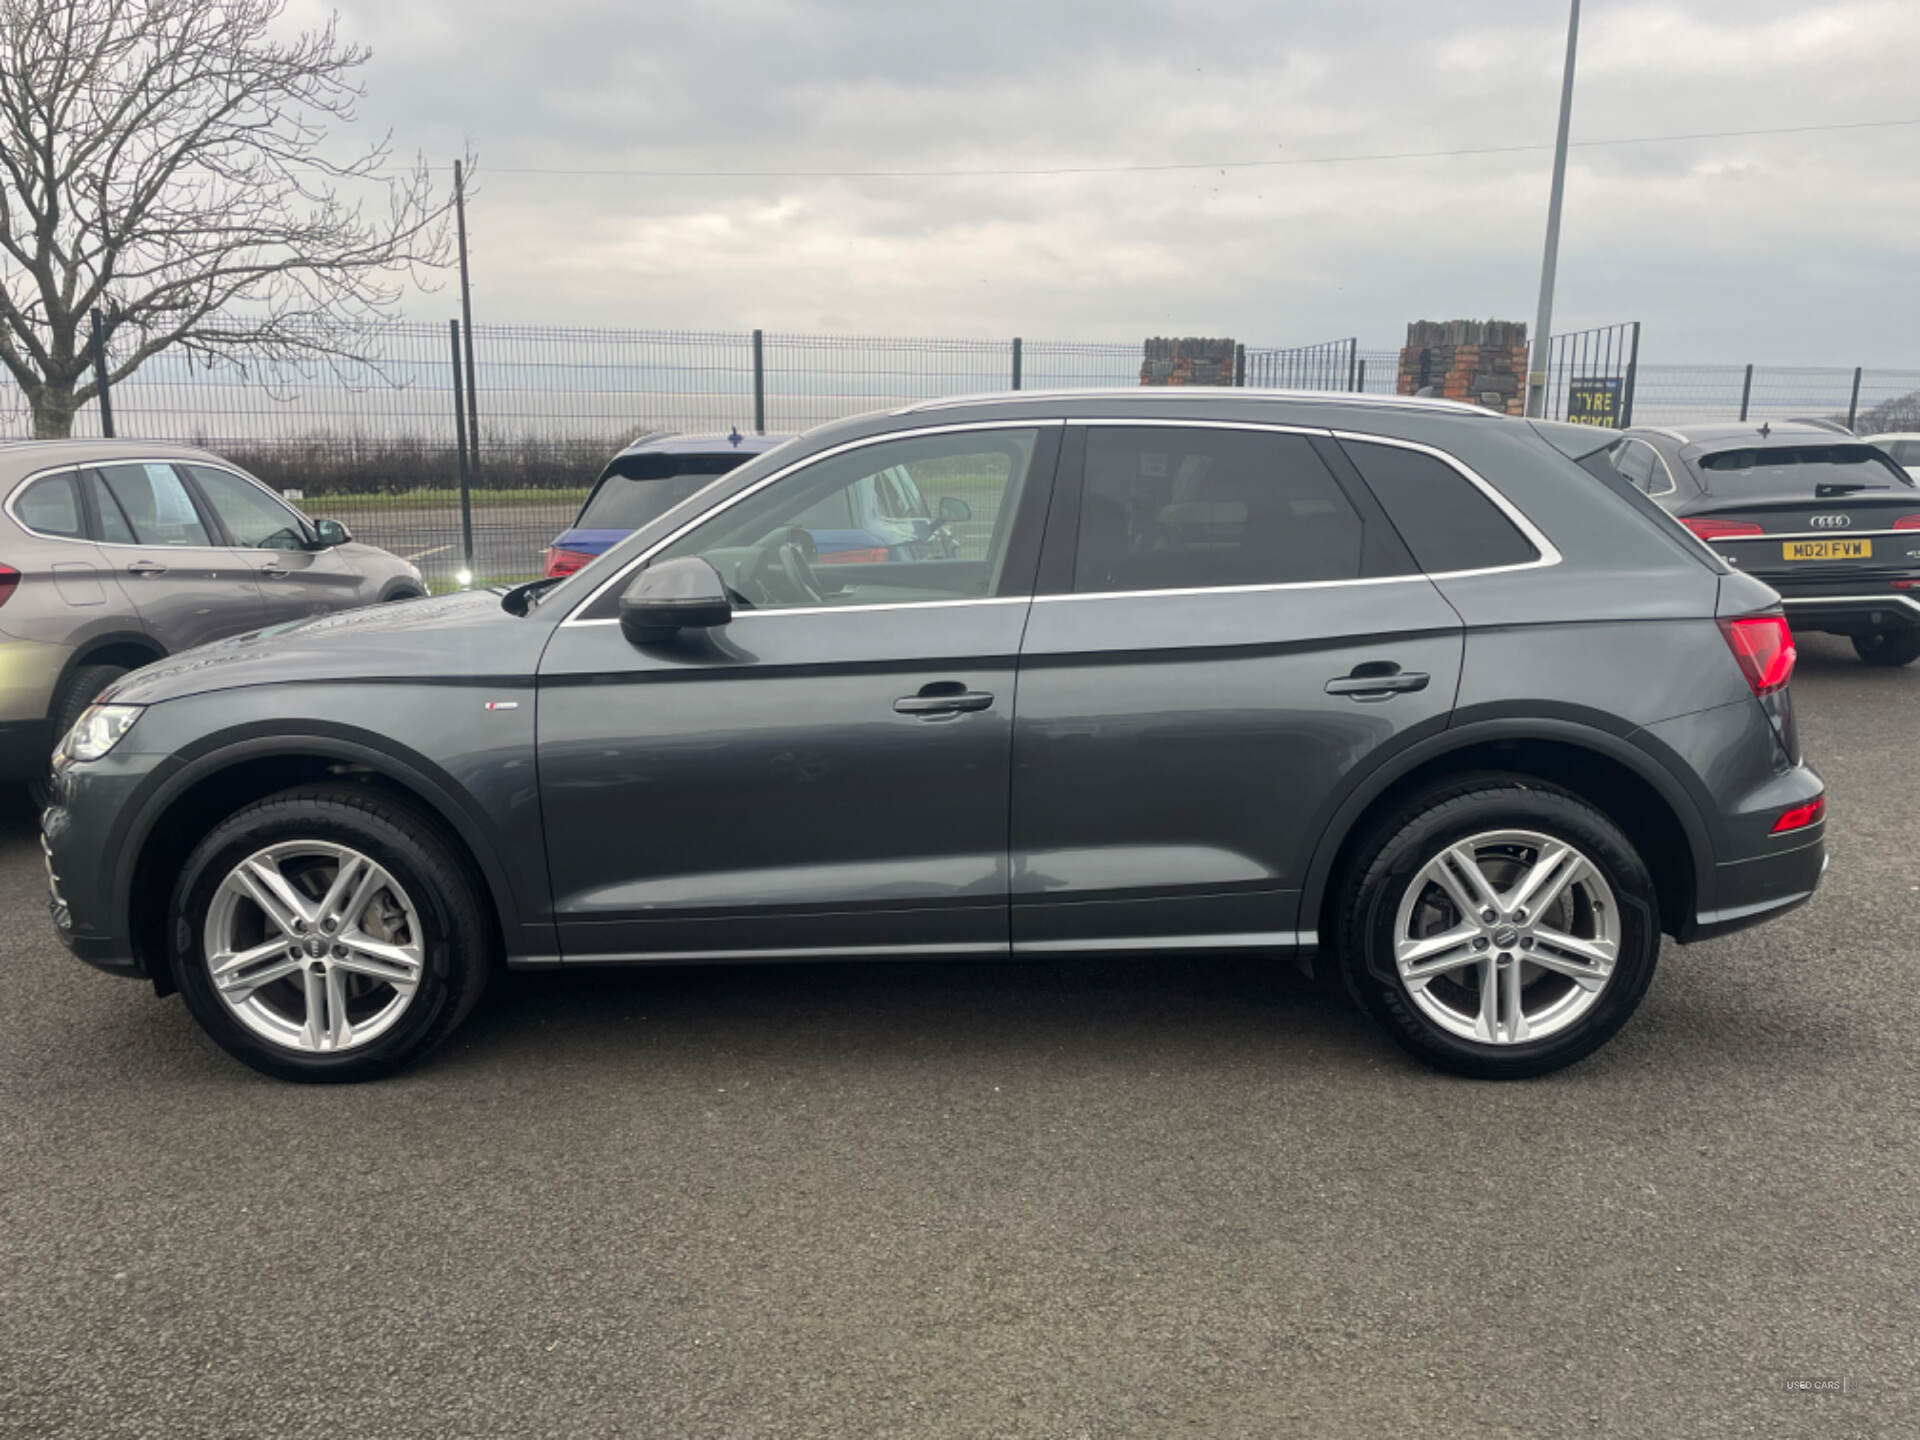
point(51, 507)
point(639, 488)
point(1166, 508)
point(1798, 469)
point(1443, 517)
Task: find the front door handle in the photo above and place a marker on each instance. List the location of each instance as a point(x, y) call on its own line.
point(1378, 680)
point(943, 697)
point(146, 567)
point(277, 572)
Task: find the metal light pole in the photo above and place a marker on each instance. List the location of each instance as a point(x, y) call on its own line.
point(1543, 320)
point(473, 384)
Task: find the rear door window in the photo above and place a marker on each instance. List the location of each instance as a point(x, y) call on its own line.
point(1446, 520)
point(155, 503)
point(51, 506)
point(1171, 508)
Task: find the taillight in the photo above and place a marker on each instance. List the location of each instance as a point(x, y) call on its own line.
point(1721, 529)
point(565, 562)
point(1907, 522)
point(1763, 644)
point(9, 582)
point(854, 557)
point(1801, 816)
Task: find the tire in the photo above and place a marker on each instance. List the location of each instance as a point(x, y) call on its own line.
point(1389, 894)
point(1888, 647)
point(79, 691)
point(429, 909)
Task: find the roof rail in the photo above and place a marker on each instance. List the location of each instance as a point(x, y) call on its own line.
point(1194, 392)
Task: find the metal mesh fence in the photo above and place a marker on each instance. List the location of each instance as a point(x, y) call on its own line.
point(371, 440)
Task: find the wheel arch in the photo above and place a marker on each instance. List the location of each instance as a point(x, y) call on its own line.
point(212, 780)
point(1617, 777)
point(130, 648)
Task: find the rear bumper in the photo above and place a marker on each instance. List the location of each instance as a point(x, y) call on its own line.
point(1855, 614)
point(1751, 892)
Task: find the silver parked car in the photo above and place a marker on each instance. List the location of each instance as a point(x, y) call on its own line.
point(114, 554)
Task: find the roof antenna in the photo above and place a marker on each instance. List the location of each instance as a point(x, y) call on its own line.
point(735, 437)
point(1765, 430)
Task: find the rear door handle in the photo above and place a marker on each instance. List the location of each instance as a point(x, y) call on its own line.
point(943, 697)
point(1378, 680)
point(146, 567)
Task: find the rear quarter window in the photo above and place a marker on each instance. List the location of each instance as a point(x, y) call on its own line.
point(1444, 518)
point(51, 506)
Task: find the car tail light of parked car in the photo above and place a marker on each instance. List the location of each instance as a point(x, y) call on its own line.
point(1720, 529)
point(564, 562)
point(1907, 522)
point(873, 556)
point(9, 582)
point(1763, 644)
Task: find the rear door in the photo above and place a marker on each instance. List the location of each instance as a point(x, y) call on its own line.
point(296, 577)
point(188, 587)
point(1227, 628)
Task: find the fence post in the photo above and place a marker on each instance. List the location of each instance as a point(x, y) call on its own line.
point(460, 414)
point(106, 400)
point(1853, 404)
point(1240, 365)
point(1746, 391)
point(1633, 373)
point(1360, 377)
point(1353, 362)
point(1016, 362)
point(759, 386)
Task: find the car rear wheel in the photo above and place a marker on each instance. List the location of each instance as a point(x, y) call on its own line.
point(1499, 927)
point(328, 934)
point(1888, 647)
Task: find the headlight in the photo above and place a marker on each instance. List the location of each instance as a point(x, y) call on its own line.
point(98, 730)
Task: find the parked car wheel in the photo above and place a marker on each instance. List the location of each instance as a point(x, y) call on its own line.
point(1888, 647)
point(1499, 927)
point(328, 934)
point(82, 687)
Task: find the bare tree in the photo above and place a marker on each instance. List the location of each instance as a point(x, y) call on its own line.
point(167, 162)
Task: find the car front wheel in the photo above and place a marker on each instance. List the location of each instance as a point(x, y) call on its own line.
point(328, 934)
point(1500, 928)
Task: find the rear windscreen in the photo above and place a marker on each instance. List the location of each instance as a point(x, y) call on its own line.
point(1799, 469)
point(640, 488)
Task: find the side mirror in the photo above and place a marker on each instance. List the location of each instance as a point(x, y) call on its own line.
point(331, 533)
point(954, 511)
point(682, 594)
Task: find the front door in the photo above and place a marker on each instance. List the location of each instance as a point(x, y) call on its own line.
point(827, 773)
point(188, 587)
point(297, 578)
point(1231, 630)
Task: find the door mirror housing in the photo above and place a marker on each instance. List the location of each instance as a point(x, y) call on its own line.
point(330, 533)
point(954, 511)
point(674, 595)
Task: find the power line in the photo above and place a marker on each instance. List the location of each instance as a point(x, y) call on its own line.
point(1131, 169)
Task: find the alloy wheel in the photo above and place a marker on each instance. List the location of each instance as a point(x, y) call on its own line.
point(1506, 937)
point(313, 946)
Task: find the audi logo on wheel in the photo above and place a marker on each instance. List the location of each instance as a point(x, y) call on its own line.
point(1831, 522)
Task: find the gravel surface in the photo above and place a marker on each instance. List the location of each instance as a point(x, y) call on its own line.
point(1068, 1200)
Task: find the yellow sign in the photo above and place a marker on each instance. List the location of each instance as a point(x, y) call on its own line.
point(1829, 549)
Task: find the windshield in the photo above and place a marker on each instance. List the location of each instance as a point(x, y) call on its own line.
point(638, 488)
point(1799, 469)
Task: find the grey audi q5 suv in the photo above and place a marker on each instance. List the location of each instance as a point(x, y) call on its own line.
point(114, 554)
point(1394, 688)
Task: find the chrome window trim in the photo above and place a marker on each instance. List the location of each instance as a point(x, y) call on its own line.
point(1247, 940)
point(1673, 486)
point(1906, 600)
point(78, 465)
point(780, 474)
point(740, 615)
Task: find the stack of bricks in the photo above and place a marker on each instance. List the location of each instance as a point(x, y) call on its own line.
point(1187, 362)
point(1480, 362)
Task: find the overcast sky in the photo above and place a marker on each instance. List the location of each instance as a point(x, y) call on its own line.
point(1785, 249)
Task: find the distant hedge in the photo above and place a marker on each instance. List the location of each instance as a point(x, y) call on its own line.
point(328, 466)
